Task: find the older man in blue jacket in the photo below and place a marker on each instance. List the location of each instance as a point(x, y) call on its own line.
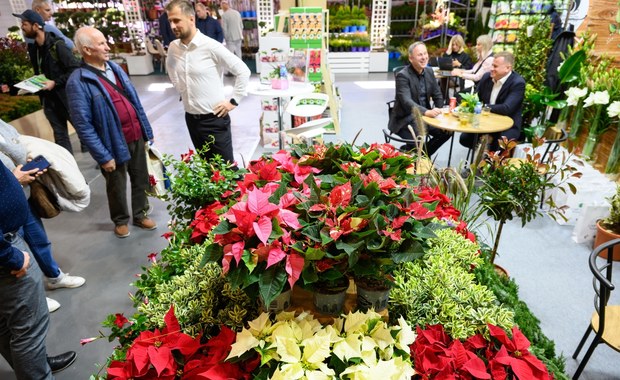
point(110, 120)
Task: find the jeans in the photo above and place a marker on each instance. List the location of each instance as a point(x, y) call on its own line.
point(41, 247)
point(213, 130)
point(24, 320)
point(116, 186)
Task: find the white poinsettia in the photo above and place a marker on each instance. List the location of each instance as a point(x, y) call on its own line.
point(394, 369)
point(598, 97)
point(573, 95)
point(614, 109)
point(406, 336)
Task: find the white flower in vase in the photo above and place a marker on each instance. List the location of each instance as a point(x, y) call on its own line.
point(598, 97)
point(614, 109)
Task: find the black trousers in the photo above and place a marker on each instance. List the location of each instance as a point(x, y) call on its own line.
point(212, 130)
point(58, 116)
point(438, 138)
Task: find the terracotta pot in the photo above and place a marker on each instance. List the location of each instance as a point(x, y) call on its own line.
point(603, 236)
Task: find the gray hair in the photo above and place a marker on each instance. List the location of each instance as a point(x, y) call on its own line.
point(39, 3)
point(82, 38)
point(413, 46)
point(509, 58)
point(184, 5)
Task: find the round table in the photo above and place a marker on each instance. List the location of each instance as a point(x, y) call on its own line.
point(491, 123)
point(294, 88)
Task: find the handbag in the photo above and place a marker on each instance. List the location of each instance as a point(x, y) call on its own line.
point(157, 171)
point(43, 200)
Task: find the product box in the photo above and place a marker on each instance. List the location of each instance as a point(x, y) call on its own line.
point(306, 27)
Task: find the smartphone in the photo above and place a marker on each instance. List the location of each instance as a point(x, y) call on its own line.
point(39, 162)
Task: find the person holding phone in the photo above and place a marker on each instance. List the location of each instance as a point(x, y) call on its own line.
point(13, 156)
point(24, 319)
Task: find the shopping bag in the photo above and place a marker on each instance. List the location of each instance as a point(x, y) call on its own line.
point(157, 171)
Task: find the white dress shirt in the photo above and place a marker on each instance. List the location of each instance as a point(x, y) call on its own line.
point(497, 86)
point(195, 71)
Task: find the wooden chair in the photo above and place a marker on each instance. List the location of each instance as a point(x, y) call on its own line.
point(162, 53)
point(606, 318)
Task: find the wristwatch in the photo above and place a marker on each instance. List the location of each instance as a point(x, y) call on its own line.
point(233, 102)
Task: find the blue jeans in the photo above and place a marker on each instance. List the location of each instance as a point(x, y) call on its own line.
point(36, 238)
point(24, 320)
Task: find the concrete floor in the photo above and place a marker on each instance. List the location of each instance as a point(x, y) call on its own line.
point(551, 270)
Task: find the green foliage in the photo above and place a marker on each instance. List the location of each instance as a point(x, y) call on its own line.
point(506, 291)
point(195, 182)
point(15, 65)
point(612, 221)
point(14, 107)
point(203, 300)
point(531, 52)
point(440, 289)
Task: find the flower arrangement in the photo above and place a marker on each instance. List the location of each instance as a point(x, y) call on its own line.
point(468, 102)
point(357, 346)
point(613, 163)
point(597, 127)
point(437, 355)
point(574, 98)
point(321, 213)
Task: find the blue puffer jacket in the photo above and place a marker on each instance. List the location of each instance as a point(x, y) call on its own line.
point(95, 119)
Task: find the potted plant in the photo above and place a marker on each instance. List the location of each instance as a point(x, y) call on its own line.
point(513, 187)
point(609, 228)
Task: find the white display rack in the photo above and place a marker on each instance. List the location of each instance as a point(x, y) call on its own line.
point(347, 63)
point(379, 21)
point(264, 16)
point(18, 6)
point(135, 23)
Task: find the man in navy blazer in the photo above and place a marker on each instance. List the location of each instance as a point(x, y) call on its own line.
point(503, 90)
point(416, 86)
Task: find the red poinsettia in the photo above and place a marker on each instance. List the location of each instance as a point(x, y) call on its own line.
point(171, 354)
point(205, 219)
point(438, 356)
point(187, 157)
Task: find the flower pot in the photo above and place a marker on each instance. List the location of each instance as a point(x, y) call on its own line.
point(603, 236)
point(280, 303)
point(361, 28)
point(328, 301)
point(370, 296)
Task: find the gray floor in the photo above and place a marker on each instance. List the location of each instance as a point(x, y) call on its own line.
point(551, 270)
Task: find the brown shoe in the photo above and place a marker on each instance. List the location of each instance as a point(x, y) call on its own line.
point(121, 231)
point(146, 223)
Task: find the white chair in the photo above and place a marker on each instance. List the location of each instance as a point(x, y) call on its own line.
point(162, 54)
point(152, 50)
point(308, 105)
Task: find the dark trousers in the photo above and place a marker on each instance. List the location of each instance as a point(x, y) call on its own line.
point(116, 186)
point(58, 116)
point(24, 319)
point(438, 138)
point(212, 130)
point(469, 139)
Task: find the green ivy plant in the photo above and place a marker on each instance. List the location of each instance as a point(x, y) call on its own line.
point(441, 289)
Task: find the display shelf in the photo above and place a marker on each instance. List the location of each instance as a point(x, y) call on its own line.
point(507, 17)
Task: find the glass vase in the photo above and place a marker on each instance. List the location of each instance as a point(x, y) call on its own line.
point(588, 147)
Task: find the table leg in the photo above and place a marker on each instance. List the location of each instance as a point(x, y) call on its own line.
point(280, 128)
point(451, 145)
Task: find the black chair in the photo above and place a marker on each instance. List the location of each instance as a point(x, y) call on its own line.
point(606, 318)
point(552, 146)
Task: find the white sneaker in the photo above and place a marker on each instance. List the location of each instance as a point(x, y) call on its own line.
point(65, 281)
point(52, 305)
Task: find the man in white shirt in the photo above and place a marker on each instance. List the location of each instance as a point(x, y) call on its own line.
point(503, 90)
point(232, 24)
point(44, 8)
point(195, 63)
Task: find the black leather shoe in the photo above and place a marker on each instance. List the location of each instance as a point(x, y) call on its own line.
point(62, 361)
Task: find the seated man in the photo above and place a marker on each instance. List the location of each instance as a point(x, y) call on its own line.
point(503, 90)
point(415, 87)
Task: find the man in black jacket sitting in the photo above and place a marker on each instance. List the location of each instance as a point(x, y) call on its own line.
point(416, 86)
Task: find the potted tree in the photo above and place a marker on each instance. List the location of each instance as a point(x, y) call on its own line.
point(609, 228)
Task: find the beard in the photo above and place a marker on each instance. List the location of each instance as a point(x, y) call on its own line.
point(29, 34)
point(182, 34)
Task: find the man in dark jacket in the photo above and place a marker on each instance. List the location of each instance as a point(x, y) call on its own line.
point(50, 56)
point(209, 26)
point(503, 90)
point(416, 86)
point(110, 120)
